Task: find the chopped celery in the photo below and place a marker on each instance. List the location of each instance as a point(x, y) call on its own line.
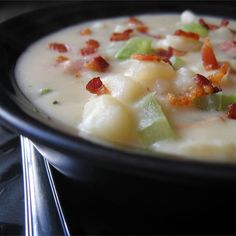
point(137, 45)
point(196, 28)
point(153, 124)
point(217, 101)
point(45, 91)
point(176, 62)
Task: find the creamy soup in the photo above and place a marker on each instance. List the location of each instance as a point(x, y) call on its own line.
point(163, 82)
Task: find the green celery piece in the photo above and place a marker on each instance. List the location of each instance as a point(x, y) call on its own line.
point(217, 101)
point(176, 62)
point(45, 91)
point(196, 28)
point(153, 124)
point(136, 45)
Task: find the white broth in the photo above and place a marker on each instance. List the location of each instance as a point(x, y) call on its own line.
point(164, 82)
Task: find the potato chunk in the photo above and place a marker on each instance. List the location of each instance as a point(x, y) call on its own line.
point(124, 88)
point(107, 118)
point(146, 73)
point(183, 44)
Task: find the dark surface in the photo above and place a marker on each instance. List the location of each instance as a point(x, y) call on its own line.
point(179, 210)
point(11, 185)
point(11, 178)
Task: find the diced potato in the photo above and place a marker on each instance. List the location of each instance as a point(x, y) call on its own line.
point(124, 88)
point(183, 43)
point(147, 73)
point(107, 118)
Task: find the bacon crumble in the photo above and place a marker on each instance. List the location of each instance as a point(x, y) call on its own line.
point(135, 20)
point(231, 113)
point(205, 84)
point(208, 56)
point(85, 31)
point(148, 57)
point(167, 54)
point(91, 47)
point(61, 59)
point(142, 28)
point(98, 64)
point(125, 35)
point(203, 87)
point(60, 47)
point(217, 77)
point(163, 53)
point(87, 51)
point(96, 86)
point(185, 34)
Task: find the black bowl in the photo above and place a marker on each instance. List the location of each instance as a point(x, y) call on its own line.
point(74, 156)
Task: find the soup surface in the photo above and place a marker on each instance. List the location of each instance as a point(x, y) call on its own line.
point(162, 82)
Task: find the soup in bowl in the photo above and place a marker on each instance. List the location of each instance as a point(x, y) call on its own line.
point(148, 95)
point(159, 82)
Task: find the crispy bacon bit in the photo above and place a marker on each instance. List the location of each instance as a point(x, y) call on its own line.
point(121, 36)
point(217, 77)
point(87, 51)
point(208, 56)
point(163, 53)
point(201, 80)
point(232, 111)
point(98, 64)
point(85, 31)
point(205, 84)
point(91, 47)
point(142, 28)
point(135, 20)
point(61, 59)
point(182, 100)
point(149, 57)
point(203, 87)
point(185, 34)
point(187, 98)
point(96, 86)
point(224, 23)
point(60, 47)
point(92, 43)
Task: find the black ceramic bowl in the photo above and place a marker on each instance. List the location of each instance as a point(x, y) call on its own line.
point(76, 157)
